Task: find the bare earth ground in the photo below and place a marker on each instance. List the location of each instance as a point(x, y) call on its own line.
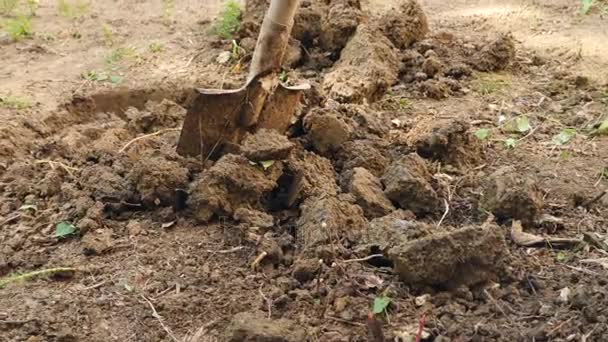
point(147, 272)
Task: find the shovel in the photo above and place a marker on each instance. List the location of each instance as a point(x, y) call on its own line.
point(217, 120)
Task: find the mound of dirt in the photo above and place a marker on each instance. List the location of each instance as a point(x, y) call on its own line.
point(407, 182)
point(231, 183)
point(405, 24)
point(510, 195)
point(104, 184)
point(362, 153)
point(367, 67)
point(313, 175)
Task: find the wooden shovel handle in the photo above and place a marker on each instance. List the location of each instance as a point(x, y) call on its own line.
point(274, 37)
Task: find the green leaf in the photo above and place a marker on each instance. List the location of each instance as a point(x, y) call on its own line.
point(522, 124)
point(380, 304)
point(115, 79)
point(482, 133)
point(562, 257)
point(63, 229)
point(510, 143)
point(586, 6)
point(28, 207)
point(564, 136)
point(266, 164)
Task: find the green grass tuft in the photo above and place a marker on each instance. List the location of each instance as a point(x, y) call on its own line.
point(14, 102)
point(19, 28)
point(229, 21)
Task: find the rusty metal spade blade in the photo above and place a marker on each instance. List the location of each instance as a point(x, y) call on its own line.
point(217, 120)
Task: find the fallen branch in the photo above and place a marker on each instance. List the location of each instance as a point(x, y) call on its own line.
point(524, 239)
point(160, 319)
point(124, 148)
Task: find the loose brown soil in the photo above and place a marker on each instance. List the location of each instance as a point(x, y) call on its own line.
point(382, 186)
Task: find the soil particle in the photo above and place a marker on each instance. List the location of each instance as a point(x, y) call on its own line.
point(340, 23)
point(231, 183)
point(512, 195)
point(362, 153)
point(432, 66)
point(466, 256)
point(157, 179)
point(305, 270)
point(266, 145)
point(404, 25)
point(254, 326)
point(327, 130)
point(254, 218)
point(367, 67)
point(407, 182)
point(325, 220)
point(155, 116)
point(307, 23)
point(368, 193)
point(496, 55)
point(446, 140)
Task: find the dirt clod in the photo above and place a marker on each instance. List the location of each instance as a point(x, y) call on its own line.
point(314, 175)
point(324, 219)
point(230, 184)
point(511, 195)
point(254, 326)
point(97, 242)
point(340, 23)
point(305, 270)
point(327, 130)
point(367, 67)
point(266, 145)
point(362, 153)
point(368, 193)
point(497, 55)
point(407, 182)
point(155, 116)
point(447, 140)
point(404, 25)
point(432, 66)
point(157, 180)
point(104, 184)
point(466, 256)
point(255, 218)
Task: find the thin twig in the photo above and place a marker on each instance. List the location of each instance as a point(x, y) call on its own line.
point(268, 301)
point(147, 136)
point(257, 260)
point(160, 319)
point(445, 213)
point(373, 256)
point(10, 219)
point(226, 251)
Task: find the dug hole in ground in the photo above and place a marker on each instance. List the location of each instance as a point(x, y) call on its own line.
point(443, 180)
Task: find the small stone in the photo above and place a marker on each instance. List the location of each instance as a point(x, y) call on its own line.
point(421, 300)
point(224, 57)
point(564, 295)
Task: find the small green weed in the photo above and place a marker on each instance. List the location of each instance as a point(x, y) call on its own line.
point(101, 76)
point(108, 35)
point(14, 102)
point(229, 20)
point(120, 54)
point(8, 6)
point(482, 134)
point(492, 84)
point(75, 11)
point(168, 7)
point(14, 278)
point(156, 47)
point(19, 28)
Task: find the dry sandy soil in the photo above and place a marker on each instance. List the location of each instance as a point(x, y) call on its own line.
point(413, 160)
